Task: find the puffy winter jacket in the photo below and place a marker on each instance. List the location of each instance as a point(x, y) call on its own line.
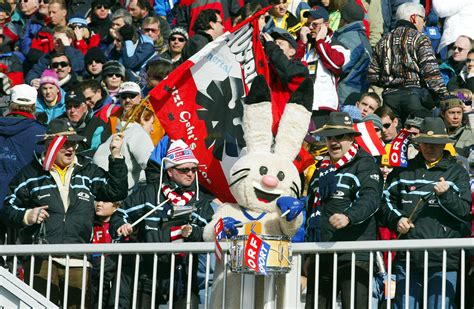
point(443, 216)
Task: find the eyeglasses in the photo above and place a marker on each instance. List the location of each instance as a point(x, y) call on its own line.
point(152, 30)
point(69, 144)
point(62, 64)
point(422, 17)
point(338, 138)
point(314, 24)
point(459, 48)
point(387, 125)
point(100, 6)
point(44, 1)
point(114, 75)
point(94, 61)
point(174, 38)
point(130, 96)
point(186, 170)
point(469, 60)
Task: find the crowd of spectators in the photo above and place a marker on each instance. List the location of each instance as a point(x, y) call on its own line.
point(80, 69)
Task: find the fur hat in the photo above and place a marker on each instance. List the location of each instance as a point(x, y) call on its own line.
point(49, 77)
point(24, 95)
point(113, 67)
point(179, 153)
point(181, 31)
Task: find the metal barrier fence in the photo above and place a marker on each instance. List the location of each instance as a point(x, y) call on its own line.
point(293, 292)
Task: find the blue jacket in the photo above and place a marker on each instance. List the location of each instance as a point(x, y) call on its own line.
point(18, 138)
point(27, 29)
point(135, 56)
point(52, 112)
point(353, 81)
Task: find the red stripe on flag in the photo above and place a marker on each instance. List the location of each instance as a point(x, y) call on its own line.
point(218, 251)
point(52, 152)
point(369, 139)
point(176, 234)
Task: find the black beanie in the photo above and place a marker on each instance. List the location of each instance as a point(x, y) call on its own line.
point(352, 12)
point(94, 54)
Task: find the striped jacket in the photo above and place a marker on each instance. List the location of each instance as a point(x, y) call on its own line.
point(33, 187)
point(404, 58)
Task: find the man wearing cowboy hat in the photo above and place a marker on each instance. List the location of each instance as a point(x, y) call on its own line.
point(52, 200)
point(345, 191)
point(428, 199)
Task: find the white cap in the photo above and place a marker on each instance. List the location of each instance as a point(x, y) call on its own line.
point(129, 87)
point(24, 94)
point(179, 153)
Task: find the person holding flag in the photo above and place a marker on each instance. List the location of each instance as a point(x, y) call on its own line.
point(428, 199)
point(51, 200)
point(345, 191)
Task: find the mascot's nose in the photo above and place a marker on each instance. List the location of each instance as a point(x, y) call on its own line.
point(269, 181)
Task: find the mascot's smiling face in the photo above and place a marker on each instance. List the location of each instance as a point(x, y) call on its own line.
point(257, 180)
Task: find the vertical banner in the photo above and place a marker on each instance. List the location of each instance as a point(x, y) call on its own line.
point(398, 152)
point(256, 254)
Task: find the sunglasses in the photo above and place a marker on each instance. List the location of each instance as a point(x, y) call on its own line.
point(152, 30)
point(469, 60)
point(387, 125)
point(96, 61)
point(100, 6)
point(114, 75)
point(174, 38)
point(338, 138)
point(458, 48)
point(74, 26)
point(128, 96)
point(186, 170)
point(44, 1)
point(62, 64)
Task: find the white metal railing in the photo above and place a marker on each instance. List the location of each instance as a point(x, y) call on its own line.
point(298, 249)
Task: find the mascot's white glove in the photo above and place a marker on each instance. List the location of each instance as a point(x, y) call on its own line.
point(291, 204)
point(230, 228)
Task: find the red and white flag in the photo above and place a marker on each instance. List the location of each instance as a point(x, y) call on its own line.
point(369, 139)
point(176, 234)
point(201, 101)
point(52, 152)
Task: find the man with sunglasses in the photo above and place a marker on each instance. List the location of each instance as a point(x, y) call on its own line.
point(411, 78)
point(346, 191)
point(183, 216)
point(455, 63)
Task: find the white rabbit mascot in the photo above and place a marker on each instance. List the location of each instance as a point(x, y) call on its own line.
point(264, 182)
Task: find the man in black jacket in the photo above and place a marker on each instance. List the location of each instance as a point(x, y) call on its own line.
point(207, 27)
point(344, 195)
point(183, 217)
point(428, 199)
point(51, 200)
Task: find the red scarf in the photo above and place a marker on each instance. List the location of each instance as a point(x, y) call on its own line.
point(176, 199)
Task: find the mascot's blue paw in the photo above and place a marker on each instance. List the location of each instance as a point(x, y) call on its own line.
point(291, 204)
point(230, 228)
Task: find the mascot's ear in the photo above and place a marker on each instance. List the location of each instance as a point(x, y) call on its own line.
point(295, 121)
point(257, 118)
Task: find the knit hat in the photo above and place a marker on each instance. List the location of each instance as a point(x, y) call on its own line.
point(352, 12)
point(181, 31)
point(179, 153)
point(317, 12)
point(113, 67)
point(95, 53)
point(353, 111)
point(49, 77)
point(375, 120)
point(77, 20)
point(101, 2)
point(24, 95)
point(450, 102)
point(129, 87)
